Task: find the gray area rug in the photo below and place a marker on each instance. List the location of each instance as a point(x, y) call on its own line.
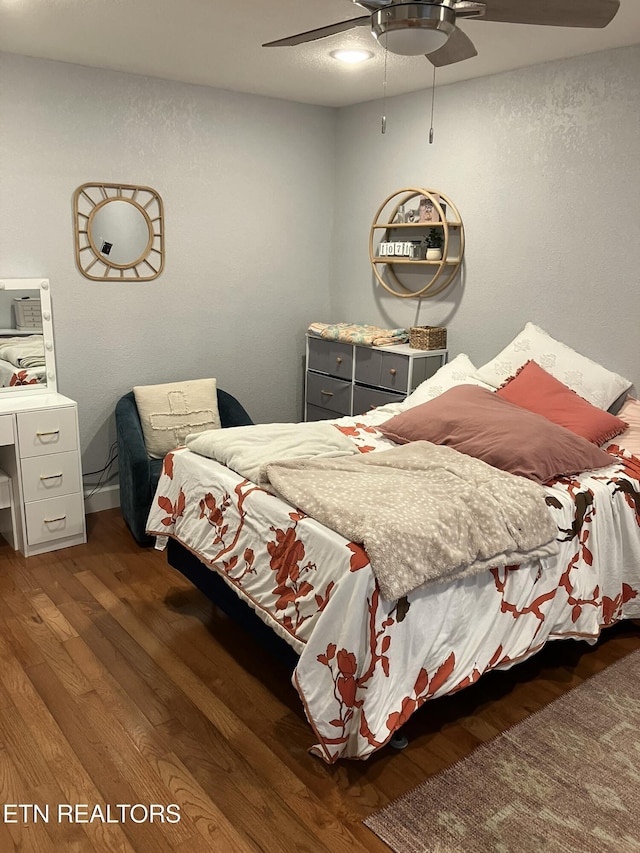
point(565, 780)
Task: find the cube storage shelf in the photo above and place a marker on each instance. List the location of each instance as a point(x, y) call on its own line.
point(351, 379)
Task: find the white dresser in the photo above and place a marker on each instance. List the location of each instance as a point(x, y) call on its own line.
point(40, 453)
point(41, 499)
point(352, 379)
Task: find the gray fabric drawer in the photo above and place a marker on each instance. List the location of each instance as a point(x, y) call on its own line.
point(315, 413)
point(365, 399)
point(332, 357)
point(329, 393)
point(384, 369)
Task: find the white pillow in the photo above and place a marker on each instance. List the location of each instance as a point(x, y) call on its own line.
point(587, 378)
point(169, 412)
point(459, 371)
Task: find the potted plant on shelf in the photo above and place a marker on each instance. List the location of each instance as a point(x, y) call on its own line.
point(434, 241)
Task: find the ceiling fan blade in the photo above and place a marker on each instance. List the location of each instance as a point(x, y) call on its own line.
point(457, 47)
point(372, 5)
point(552, 13)
point(321, 32)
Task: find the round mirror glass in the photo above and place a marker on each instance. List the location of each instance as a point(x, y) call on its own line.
point(120, 232)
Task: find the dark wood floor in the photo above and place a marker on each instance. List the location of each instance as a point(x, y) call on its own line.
point(121, 684)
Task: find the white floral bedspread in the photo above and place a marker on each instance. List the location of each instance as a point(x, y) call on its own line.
point(10, 375)
point(366, 664)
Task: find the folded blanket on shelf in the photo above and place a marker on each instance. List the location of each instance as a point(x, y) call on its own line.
point(23, 352)
point(354, 333)
point(423, 512)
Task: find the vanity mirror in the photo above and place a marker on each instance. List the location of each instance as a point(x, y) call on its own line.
point(27, 358)
point(118, 232)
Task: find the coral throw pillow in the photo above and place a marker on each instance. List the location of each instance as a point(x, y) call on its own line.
point(534, 389)
point(477, 422)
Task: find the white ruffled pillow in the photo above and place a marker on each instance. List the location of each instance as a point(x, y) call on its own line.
point(459, 371)
point(587, 378)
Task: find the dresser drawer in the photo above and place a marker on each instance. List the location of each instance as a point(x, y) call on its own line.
point(385, 369)
point(50, 475)
point(54, 518)
point(332, 357)
point(365, 399)
point(315, 413)
point(6, 429)
point(329, 393)
point(47, 431)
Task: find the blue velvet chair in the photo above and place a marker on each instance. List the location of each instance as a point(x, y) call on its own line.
point(139, 474)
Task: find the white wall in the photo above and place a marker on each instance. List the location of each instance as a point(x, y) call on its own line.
point(268, 206)
point(247, 185)
point(544, 166)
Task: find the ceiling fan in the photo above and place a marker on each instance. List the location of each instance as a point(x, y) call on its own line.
point(430, 26)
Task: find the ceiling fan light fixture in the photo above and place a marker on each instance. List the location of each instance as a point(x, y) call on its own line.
point(414, 42)
point(351, 57)
point(412, 29)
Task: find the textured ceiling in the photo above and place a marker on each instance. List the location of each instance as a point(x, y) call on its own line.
point(218, 43)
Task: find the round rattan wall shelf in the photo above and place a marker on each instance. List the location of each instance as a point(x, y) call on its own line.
point(405, 223)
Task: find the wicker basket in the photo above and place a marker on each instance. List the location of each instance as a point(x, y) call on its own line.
point(428, 337)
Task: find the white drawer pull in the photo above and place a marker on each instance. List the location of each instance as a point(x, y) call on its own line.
point(338, 360)
point(326, 393)
point(393, 371)
point(49, 432)
point(51, 520)
point(50, 476)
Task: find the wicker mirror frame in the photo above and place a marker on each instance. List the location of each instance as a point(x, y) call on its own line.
point(145, 262)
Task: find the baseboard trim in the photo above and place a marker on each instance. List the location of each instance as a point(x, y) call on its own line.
point(106, 498)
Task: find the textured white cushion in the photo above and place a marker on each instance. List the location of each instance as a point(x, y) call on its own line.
point(459, 371)
point(587, 378)
point(169, 412)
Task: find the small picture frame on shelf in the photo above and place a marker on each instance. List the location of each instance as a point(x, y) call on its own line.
point(427, 211)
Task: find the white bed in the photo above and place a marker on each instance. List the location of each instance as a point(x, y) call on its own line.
point(366, 664)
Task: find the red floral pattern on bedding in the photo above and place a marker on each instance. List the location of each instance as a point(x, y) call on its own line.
point(358, 432)
point(172, 511)
point(292, 576)
point(293, 593)
point(21, 378)
point(359, 557)
point(367, 664)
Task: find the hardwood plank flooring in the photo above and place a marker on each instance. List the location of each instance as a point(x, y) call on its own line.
point(120, 683)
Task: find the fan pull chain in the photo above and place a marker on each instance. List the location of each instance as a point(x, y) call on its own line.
point(433, 97)
point(384, 91)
